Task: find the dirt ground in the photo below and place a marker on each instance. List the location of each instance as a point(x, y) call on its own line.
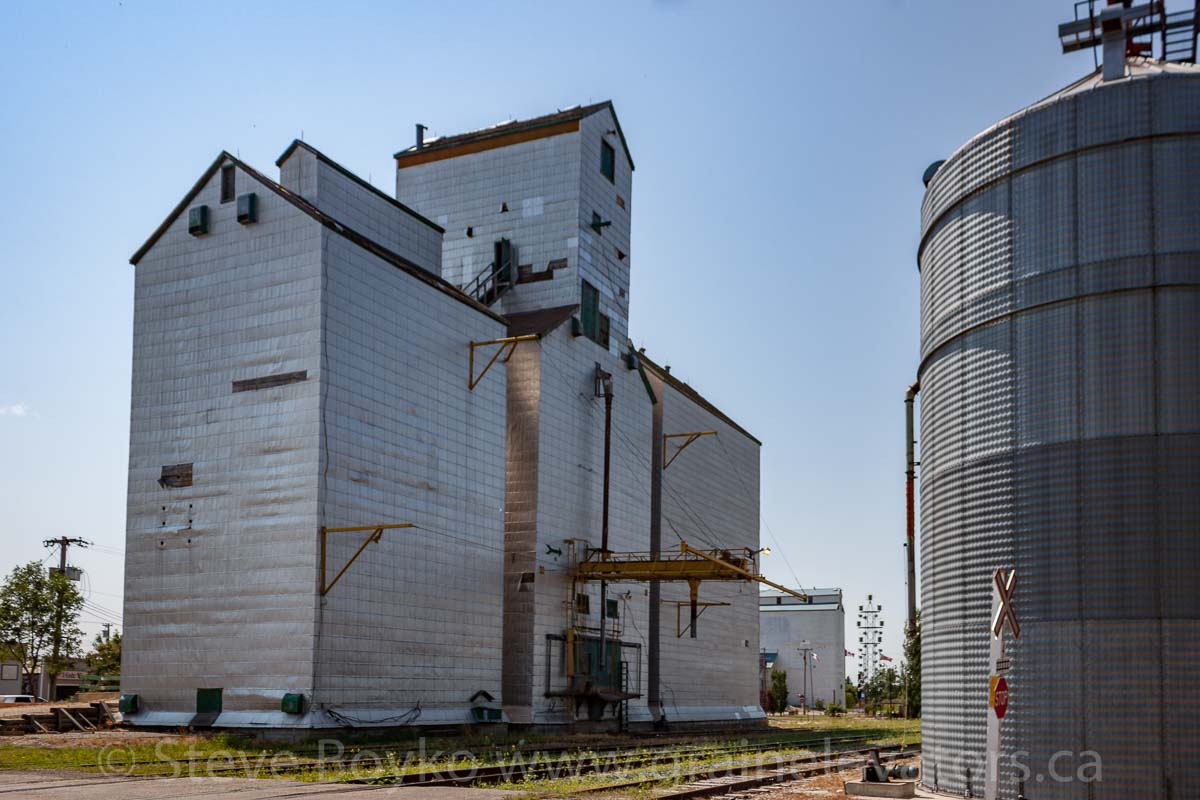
point(15, 710)
point(104, 738)
point(823, 787)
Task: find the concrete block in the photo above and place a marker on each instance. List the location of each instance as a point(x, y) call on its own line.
point(888, 789)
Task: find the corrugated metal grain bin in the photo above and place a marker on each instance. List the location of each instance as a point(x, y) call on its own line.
point(1060, 433)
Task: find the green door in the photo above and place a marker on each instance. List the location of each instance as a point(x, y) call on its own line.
point(208, 701)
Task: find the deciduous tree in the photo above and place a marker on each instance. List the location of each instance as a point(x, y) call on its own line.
point(30, 599)
point(105, 658)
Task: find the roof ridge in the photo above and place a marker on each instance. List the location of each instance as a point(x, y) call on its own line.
point(363, 241)
point(689, 392)
point(562, 116)
point(300, 143)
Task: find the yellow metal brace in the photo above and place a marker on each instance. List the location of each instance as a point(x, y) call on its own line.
point(680, 628)
point(688, 439)
point(691, 565)
point(376, 535)
point(683, 546)
point(508, 346)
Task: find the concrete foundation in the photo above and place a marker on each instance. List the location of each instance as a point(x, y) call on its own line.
point(889, 789)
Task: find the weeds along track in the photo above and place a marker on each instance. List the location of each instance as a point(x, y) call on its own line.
point(741, 783)
point(675, 760)
point(429, 766)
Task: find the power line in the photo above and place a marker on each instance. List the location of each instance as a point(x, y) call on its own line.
point(762, 519)
point(101, 611)
point(463, 540)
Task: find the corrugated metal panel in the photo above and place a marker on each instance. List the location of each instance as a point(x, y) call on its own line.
point(1060, 337)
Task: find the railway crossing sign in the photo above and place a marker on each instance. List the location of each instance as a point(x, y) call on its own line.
point(1005, 584)
point(999, 698)
point(1004, 613)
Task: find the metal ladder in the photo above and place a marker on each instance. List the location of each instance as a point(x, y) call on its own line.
point(623, 711)
point(1179, 35)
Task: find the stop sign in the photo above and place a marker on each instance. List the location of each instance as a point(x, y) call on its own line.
point(1001, 701)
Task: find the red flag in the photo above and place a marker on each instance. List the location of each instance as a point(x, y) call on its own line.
point(885, 658)
point(850, 652)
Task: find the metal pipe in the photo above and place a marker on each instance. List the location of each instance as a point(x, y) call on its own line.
point(910, 519)
point(694, 595)
point(655, 622)
point(608, 398)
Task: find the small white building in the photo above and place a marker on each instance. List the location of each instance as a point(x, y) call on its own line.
point(808, 640)
point(11, 678)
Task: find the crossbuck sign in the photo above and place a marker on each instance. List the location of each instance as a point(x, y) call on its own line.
point(1006, 613)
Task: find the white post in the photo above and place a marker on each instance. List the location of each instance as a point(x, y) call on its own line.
point(1003, 615)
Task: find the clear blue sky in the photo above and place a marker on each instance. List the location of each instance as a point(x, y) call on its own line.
point(779, 150)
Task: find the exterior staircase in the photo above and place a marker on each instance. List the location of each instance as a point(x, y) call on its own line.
point(495, 279)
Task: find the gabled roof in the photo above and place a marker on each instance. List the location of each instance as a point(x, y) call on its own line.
point(691, 394)
point(368, 244)
point(539, 322)
point(514, 132)
point(297, 144)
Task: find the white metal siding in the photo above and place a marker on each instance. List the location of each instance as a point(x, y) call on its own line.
point(417, 618)
point(710, 498)
point(220, 576)
point(538, 181)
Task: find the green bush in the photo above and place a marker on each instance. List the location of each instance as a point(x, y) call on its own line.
point(777, 695)
point(834, 710)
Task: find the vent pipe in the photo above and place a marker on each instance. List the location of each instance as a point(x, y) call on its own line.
point(910, 518)
point(421, 135)
point(1113, 41)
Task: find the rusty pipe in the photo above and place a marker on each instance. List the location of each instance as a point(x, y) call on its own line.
point(910, 519)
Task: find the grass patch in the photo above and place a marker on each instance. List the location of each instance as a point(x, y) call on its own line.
point(133, 753)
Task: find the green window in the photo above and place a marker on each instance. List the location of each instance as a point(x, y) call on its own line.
point(228, 185)
point(589, 309)
point(608, 161)
point(594, 325)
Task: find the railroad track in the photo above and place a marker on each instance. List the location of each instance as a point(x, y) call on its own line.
point(593, 763)
point(745, 784)
point(517, 764)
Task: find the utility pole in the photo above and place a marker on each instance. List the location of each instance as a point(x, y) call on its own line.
point(105, 628)
point(805, 649)
point(62, 543)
